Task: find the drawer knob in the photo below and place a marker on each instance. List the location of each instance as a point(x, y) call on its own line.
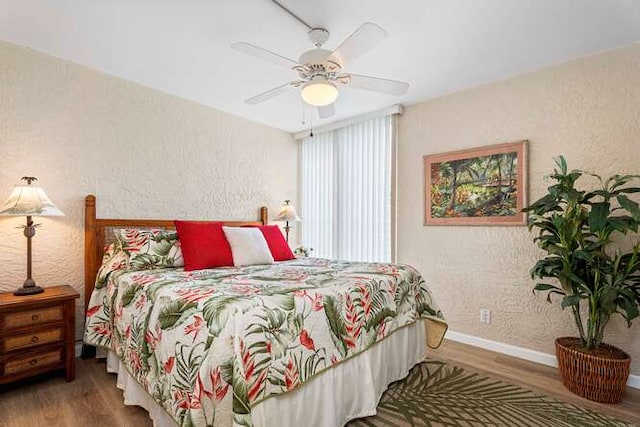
point(33, 362)
point(34, 338)
point(35, 317)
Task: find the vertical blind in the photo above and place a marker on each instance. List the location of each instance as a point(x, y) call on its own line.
point(346, 191)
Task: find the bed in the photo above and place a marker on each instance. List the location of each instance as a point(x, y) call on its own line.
point(309, 341)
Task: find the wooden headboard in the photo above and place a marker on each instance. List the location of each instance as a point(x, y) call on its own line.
point(98, 232)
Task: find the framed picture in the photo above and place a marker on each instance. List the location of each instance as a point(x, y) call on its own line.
point(479, 186)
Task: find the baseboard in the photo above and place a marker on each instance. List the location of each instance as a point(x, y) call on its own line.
point(634, 381)
point(520, 352)
point(78, 348)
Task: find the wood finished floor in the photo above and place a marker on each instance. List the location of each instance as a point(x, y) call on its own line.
point(93, 399)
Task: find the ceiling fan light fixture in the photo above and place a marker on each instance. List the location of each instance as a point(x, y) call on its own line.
point(319, 92)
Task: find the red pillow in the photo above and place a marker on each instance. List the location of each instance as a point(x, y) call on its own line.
point(278, 246)
point(203, 244)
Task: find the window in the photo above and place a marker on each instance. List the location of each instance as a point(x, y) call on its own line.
point(347, 191)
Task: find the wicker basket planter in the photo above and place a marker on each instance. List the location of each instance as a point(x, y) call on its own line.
point(598, 378)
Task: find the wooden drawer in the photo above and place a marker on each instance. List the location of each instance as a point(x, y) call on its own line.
point(30, 362)
point(36, 334)
point(32, 317)
point(32, 339)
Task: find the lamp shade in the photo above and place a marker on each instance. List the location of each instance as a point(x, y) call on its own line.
point(27, 200)
point(287, 213)
point(319, 92)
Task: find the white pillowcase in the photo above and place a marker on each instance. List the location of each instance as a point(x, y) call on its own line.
point(248, 246)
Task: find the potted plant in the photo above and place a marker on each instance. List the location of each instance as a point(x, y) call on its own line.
point(595, 267)
point(302, 251)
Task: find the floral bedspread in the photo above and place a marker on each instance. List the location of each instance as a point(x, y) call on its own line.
point(208, 345)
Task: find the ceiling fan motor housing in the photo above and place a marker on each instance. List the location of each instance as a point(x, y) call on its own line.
point(314, 56)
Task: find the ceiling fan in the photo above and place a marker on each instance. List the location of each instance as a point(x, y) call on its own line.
point(320, 71)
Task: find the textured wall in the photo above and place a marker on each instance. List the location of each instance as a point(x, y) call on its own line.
point(587, 110)
point(143, 153)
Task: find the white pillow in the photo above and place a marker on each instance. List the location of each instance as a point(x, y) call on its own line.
point(248, 246)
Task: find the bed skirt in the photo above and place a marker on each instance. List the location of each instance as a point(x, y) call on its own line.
point(347, 391)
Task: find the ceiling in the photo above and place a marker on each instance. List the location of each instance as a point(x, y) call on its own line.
point(439, 46)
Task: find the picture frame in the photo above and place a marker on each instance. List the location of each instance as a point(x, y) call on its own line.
point(478, 186)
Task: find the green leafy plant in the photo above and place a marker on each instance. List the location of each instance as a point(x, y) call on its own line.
point(302, 251)
point(583, 234)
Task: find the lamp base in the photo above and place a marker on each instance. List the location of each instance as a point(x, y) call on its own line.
point(28, 290)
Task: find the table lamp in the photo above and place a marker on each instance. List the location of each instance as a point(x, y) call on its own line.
point(287, 213)
point(29, 201)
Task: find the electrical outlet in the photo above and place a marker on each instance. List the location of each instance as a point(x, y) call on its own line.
point(485, 315)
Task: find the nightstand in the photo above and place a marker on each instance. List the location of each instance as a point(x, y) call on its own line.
point(37, 333)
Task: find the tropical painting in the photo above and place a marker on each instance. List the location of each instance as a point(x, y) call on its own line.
point(481, 186)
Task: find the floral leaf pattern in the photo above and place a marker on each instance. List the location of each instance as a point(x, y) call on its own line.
point(175, 313)
point(209, 345)
point(147, 249)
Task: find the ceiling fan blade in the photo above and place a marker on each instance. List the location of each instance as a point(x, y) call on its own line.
point(326, 111)
point(374, 84)
point(269, 94)
point(264, 54)
point(358, 43)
